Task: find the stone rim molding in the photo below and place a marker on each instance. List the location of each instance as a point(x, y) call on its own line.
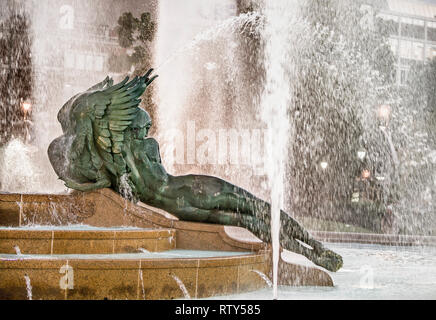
point(30, 241)
point(374, 238)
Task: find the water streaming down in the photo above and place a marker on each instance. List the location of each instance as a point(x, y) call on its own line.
point(211, 33)
point(274, 105)
point(141, 277)
point(22, 169)
point(28, 287)
point(27, 162)
point(17, 250)
point(181, 286)
point(264, 277)
point(125, 189)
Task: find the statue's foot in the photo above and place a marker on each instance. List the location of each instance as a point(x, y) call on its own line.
point(329, 260)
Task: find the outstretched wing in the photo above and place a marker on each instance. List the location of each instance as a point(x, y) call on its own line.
point(98, 118)
point(115, 108)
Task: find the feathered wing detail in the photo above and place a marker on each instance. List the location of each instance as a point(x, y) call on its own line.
point(98, 119)
point(107, 82)
point(113, 118)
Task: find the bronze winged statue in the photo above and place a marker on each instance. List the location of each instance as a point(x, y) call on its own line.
point(105, 144)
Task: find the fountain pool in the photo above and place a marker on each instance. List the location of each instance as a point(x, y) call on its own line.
point(174, 254)
point(369, 272)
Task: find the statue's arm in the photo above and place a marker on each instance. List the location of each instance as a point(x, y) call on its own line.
point(146, 152)
point(102, 183)
point(151, 148)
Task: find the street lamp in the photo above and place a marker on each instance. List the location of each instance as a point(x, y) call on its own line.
point(26, 106)
point(384, 113)
point(323, 164)
point(355, 197)
point(366, 174)
point(361, 153)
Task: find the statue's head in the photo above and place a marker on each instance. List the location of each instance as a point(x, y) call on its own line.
point(141, 124)
point(65, 112)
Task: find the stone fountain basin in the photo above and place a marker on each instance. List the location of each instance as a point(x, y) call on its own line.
point(132, 276)
point(104, 263)
point(95, 237)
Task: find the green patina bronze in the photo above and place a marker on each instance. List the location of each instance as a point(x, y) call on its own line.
point(106, 145)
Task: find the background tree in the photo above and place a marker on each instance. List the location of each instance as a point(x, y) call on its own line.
point(16, 74)
point(136, 35)
point(415, 135)
point(344, 71)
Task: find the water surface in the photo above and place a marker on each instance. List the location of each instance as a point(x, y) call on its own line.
point(369, 272)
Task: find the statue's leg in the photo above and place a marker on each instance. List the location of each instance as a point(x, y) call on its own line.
point(214, 200)
point(259, 227)
point(325, 258)
point(235, 199)
point(293, 229)
point(264, 230)
point(322, 257)
point(316, 253)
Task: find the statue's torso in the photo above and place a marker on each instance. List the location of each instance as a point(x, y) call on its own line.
point(147, 172)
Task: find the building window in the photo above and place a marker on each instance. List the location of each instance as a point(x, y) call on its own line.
point(417, 51)
point(395, 73)
point(412, 28)
point(431, 31)
point(394, 46)
point(403, 76)
point(388, 22)
point(411, 50)
point(405, 49)
point(83, 61)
